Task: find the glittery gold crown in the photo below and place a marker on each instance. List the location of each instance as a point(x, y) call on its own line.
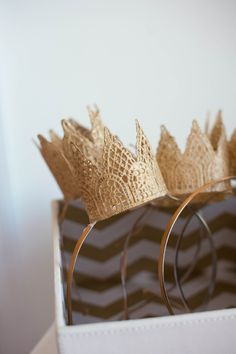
point(113, 179)
point(54, 155)
point(204, 159)
point(232, 153)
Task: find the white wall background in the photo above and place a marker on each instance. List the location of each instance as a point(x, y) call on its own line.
point(160, 61)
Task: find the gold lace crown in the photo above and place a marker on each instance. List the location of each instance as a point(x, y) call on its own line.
point(112, 179)
point(204, 159)
point(54, 156)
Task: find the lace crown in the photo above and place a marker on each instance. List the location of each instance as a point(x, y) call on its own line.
point(204, 159)
point(112, 179)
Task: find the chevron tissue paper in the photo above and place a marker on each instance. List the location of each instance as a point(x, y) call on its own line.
point(97, 297)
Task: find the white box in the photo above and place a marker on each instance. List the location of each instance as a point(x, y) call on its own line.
point(206, 332)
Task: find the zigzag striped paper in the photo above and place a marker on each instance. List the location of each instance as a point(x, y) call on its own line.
point(97, 293)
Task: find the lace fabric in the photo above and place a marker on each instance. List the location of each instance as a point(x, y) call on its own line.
point(205, 159)
point(94, 165)
point(116, 180)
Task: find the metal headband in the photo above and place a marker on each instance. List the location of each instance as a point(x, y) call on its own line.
point(167, 234)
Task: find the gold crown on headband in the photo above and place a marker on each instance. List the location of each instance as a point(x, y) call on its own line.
point(54, 155)
point(113, 180)
point(232, 153)
point(204, 159)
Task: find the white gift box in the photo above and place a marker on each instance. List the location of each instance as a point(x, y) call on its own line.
point(203, 332)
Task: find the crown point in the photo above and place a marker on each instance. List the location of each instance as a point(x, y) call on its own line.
point(107, 134)
point(94, 110)
point(164, 131)
point(66, 126)
point(137, 124)
point(219, 119)
point(94, 115)
point(63, 124)
point(163, 128)
point(42, 139)
point(139, 131)
point(195, 125)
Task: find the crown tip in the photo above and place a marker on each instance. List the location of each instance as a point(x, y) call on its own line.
point(43, 142)
point(164, 130)
point(92, 110)
point(41, 139)
point(107, 133)
point(137, 124)
point(66, 125)
point(195, 125)
point(219, 118)
point(139, 131)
